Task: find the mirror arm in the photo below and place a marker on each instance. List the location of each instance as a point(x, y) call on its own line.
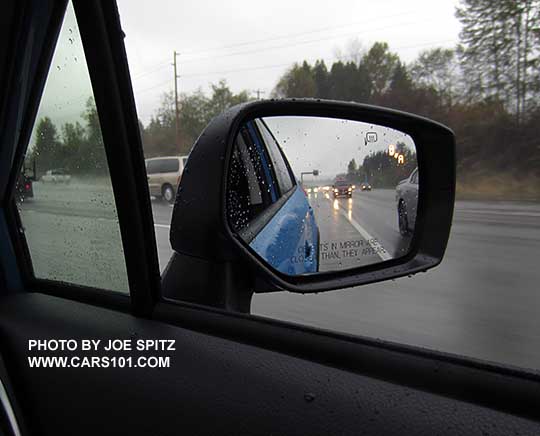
point(224, 285)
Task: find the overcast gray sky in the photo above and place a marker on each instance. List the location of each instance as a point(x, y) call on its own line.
point(251, 44)
point(248, 44)
point(328, 144)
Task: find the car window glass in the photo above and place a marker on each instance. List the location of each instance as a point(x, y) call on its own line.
point(151, 166)
point(169, 165)
point(447, 70)
point(162, 166)
point(70, 221)
point(247, 192)
point(280, 167)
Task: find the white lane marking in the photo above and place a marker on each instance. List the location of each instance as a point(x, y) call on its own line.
point(373, 242)
point(162, 226)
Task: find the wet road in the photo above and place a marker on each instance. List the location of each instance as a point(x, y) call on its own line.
point(482, 301)
point(361, 230)
point(356, 231)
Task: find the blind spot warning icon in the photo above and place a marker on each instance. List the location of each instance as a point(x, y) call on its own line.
point(370, 137)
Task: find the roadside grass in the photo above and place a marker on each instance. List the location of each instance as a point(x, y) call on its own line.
point(499, 187)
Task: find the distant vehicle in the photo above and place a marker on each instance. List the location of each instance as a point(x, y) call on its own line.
point(365, 186)
point(342, 188)
point(164, 174)
point(56, 176)
point(407, 200)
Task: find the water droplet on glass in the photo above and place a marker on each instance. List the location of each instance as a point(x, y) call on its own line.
point(309, 397)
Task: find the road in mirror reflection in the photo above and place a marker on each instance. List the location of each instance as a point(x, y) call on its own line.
point(315, 194)
point(357, 231)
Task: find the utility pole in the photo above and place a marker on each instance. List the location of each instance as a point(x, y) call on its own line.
point(259, 92)
point(176, 122)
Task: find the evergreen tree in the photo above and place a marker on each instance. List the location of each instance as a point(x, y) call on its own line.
point(380, 64)
point(298, 82)
point(352, 167)
point(47, 146)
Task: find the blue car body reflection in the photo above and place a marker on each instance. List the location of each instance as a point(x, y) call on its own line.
point(290, 240)
point(268, 207)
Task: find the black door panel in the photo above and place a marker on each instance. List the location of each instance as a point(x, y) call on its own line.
point(214, 386)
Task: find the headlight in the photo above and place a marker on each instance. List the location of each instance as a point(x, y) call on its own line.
point(308, 189)
point(350, 189)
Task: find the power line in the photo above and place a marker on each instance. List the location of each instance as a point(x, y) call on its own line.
point(289, 63)
point(294, 35)
point(312, 41)
point(164, 63)
point(168, 82)
point(143, 73)
point(285, 64)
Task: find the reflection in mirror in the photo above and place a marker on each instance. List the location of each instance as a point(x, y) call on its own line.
point(312, 194)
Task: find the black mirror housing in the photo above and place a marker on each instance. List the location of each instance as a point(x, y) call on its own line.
point(200, 229)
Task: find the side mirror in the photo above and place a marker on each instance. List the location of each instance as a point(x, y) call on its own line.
point(242, 218)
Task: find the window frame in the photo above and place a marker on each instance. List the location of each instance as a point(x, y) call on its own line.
point(253, 134)
point(247, 158)
point(510, 389)
point(274, 151)
point(107, 65)
point(414, 177)
point(271, 207)
point(263, 172)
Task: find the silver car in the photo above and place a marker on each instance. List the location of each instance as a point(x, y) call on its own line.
point(407, 201)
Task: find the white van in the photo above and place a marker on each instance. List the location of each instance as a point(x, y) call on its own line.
point(164, 174)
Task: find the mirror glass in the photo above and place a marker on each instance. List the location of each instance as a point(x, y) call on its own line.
point(312, 194)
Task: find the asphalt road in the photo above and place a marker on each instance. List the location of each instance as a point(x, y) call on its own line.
point(356, 231)
point(482, 301)
point(73, 235)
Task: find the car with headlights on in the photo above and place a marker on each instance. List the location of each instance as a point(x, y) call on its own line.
point(365, 187)
point(342, 188)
